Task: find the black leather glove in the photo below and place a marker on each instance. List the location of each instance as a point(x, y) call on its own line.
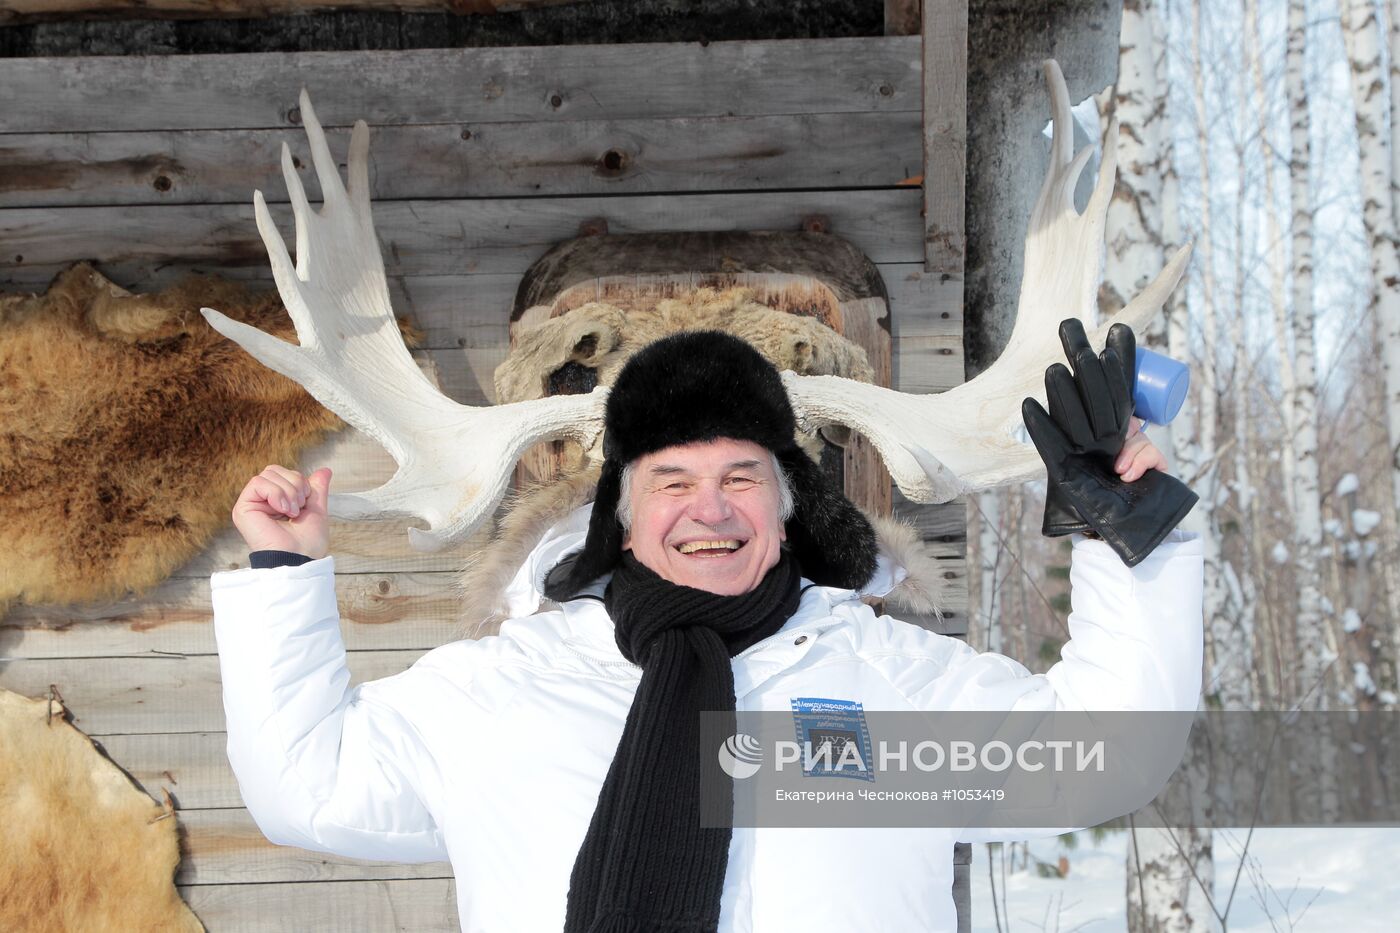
point(1080, 439)
point(1061, 518)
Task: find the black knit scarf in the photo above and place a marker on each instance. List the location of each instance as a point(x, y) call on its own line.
point(646, 864)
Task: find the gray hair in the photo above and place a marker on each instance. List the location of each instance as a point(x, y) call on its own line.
point(786, 504)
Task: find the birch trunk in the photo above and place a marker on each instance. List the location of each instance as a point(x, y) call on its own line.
point(1361, 30)
point(1395, 113)
point(1162, 894)
point(1243, 575)
point(989, 552)
point(1307, 495)
point(1134, 224)
point(1158, 874)
point(1227, 656)
point(1274, 249)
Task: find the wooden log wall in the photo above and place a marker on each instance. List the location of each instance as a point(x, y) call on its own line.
point(26, 11)
point(480, 161)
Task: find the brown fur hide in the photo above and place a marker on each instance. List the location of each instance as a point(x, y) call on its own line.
point(127, 428)
point(601, 338)
point(85, 848)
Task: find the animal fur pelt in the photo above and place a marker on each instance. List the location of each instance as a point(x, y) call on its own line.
point(601, 337)
point(85, 848)
point(128, 427)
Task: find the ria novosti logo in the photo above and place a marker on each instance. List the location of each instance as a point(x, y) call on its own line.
point(741, 755)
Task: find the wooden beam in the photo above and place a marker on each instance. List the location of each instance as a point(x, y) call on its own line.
point(433, 237)
point(551, 84)
point(226, 847)
point(483, 160)
point(109, 696)
point(421, 905)
point(945, 135)
point(379, 611)
point(32, 11)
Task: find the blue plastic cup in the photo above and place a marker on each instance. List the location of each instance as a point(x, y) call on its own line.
point(1162, 383)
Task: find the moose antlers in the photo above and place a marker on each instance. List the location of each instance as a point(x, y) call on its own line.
point(937, 447)
point(454, 460)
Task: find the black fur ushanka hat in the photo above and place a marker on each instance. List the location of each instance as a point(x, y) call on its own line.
point(702, 386)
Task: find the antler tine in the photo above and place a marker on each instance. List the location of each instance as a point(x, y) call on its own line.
point(937, 447)
point(454, 460)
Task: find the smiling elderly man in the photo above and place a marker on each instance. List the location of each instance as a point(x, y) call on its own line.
point(556, 764)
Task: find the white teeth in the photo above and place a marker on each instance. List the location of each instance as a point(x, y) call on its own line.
point(693, 546)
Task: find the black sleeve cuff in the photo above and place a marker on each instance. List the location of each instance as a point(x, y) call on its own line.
point(263, 560)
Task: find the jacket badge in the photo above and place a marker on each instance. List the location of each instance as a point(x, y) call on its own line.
point(833, 738)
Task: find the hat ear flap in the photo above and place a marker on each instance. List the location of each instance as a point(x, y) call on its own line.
point(832, 540)
point(602, 548)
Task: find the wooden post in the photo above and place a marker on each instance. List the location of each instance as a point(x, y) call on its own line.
point(945, 136)
point(945, 239)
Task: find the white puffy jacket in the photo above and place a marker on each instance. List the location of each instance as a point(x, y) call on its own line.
point(491, 753)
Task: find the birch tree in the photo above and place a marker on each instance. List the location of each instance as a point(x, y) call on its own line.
point(987, 616)
point(1273, 244)
point(1227, 654)
point(1361, 31)
point(1394, 113)
point(1307, 496)
point(1135, 249)
point(1162, 890)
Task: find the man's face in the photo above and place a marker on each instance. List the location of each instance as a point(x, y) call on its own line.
point(705, 515)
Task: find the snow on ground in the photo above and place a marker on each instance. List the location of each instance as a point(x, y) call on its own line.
point(1323, 879)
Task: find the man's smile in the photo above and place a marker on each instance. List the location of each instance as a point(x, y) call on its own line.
point(714, 547)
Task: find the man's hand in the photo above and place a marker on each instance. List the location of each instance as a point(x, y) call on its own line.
point(1094, 406)
point(1099, 466)
point(281, 510)
point(1138, 455)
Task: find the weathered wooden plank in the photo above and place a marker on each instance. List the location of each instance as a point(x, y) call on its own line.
point(192, 766)
point(447, 237)
point(473, 311)
point(924, 304)
point(32, 11)
point(379, 611)
point(420, 905)
point(944, 78)
point(360, 547)
point(928, 364)
point(847, 150)
point(461, 311)
point(926, 312)
point(155, 694)
point(943, 527)
point(163, 694)
point(548, 83)
point(226, 847)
